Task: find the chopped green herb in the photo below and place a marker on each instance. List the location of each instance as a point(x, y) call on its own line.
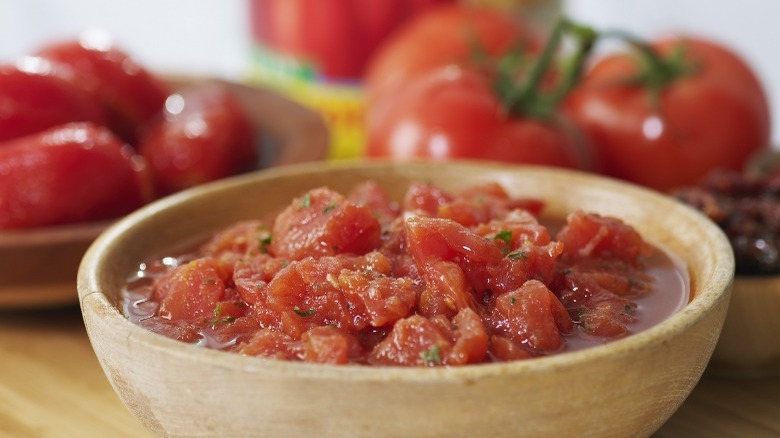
point(516, 255)
point(504, 235)
point(217, 317)
point(431, 356)
point(306, 201)
point(263, 243)
point(329, 207)
point(629, 309)
point(512, 300)
point(303, 314)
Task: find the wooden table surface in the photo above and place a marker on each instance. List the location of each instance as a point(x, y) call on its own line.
point(51, 385)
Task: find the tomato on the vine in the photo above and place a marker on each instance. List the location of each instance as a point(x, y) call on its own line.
point(505, 113)
point(447, 34)
point(454, 113)
point(667, 118)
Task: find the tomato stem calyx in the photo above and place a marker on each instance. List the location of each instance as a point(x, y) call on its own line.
point(655, 70)
point(528, 98)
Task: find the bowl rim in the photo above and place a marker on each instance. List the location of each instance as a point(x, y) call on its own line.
point(700, 305)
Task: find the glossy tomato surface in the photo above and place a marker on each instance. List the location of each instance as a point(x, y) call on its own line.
point(449, 34)
point(33, 98)
point(130, 94)
point(71, 173)
point(202, 135)
point(454, 113)
point(714, 117)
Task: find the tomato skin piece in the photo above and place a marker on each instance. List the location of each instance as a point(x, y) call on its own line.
point(442, 36)
point(50, 178)
point(203, 135)
point(34, 97)
point(716, 117)
point(130, 94)
point(454, 113)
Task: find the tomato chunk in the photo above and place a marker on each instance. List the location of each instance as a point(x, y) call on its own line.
point(532, 315)
point(322, 222)
point(191, 291)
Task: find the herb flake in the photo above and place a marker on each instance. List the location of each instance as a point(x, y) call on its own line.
point(516, 255)
point(431, 356)
point(302, 313)
point(306, 201)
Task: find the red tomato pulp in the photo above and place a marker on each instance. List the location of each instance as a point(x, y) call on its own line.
point(435, 279)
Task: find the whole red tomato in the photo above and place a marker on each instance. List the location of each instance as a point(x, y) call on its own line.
point(335, 36)
point(204, 134)
point(130, 94)
point(448, 34)
point(455, 113)
point(708, 111)
point(70, 173)
point(34, 98)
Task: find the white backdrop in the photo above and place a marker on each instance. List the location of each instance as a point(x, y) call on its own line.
point(211, 36)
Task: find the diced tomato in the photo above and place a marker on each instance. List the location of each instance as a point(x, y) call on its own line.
point(505, 350)
point(371, 195)
point(446, 290)
point(484, 203)
point(413, 341)
point(471, 339)
point(443, 239)
point(270, 344)
point(191, 291)
point(383, 299)
point(249, 237)
point(607, 318)
point(532, 315)
point(330, 345)
point(184, 331)
point(322, 222)
point(590, 235)
point(426, 198)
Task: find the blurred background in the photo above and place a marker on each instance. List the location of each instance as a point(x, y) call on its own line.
point(213, 37)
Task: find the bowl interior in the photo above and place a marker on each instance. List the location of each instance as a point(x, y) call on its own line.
point(196, 213)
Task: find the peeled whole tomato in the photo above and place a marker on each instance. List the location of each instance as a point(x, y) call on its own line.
point(202, 135)
point(130, 94)
point(34, 97)
point(72, 173)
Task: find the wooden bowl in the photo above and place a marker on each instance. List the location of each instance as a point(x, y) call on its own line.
point(748, 345)
point(628, 387)
point(39, 265)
